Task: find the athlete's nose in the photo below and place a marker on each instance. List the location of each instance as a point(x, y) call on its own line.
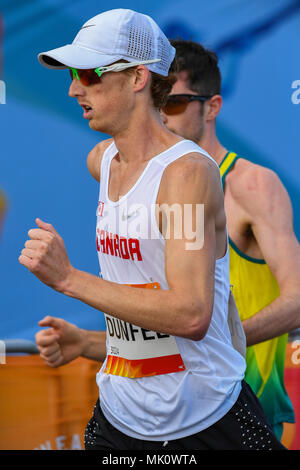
point(76, 89)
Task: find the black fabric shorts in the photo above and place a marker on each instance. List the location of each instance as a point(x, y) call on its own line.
point(244, 427)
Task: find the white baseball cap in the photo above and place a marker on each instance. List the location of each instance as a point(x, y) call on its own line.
point(112, 36)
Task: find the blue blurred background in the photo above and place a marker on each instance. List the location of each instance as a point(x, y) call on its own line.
point(45, 141)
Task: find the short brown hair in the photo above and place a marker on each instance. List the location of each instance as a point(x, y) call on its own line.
point(160, 85)
point(160, 88)
point(201, 65)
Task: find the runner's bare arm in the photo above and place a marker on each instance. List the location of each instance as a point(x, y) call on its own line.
point(95, 156)
point(94, 345)
point(62, 342)
point(183, 310)
point(267, 205)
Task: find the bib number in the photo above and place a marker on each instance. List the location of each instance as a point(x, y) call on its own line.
point(135, 352)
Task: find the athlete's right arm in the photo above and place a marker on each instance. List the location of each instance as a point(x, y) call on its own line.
point(95, 156)
point(63, 342)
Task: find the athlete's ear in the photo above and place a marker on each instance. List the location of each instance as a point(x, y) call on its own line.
point(142, 75)
point(213, 107)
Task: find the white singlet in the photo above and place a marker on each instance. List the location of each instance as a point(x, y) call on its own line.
point(154, 386)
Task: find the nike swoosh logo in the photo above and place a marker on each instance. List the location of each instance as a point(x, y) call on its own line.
point(87, 26)
point(125, 217)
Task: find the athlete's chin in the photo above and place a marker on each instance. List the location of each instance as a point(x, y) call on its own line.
point(91, 124)
point(95, 125)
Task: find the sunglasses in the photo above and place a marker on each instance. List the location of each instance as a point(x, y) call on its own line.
point(177, 104)
point(91, 76)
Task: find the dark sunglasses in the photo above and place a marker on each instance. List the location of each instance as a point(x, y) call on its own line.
point(177, 104)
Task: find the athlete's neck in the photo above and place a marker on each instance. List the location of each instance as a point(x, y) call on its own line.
point(143, 140)
point(212, 145)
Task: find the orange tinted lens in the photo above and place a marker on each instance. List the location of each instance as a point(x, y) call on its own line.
point(86, 76)
point(176, 105)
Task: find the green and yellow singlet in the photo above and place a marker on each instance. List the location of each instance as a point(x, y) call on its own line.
point(254, 287)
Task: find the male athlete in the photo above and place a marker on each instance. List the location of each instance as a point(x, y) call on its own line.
point(264, 252)
point(171, 377)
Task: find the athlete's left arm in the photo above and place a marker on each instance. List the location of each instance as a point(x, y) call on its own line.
point(269, 208)
point(185, 308)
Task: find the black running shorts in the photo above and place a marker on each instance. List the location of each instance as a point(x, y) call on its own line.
point(243, 427)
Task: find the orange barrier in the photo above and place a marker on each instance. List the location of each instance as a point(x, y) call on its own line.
point(44, 408)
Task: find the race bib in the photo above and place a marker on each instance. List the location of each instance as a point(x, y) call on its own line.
point(135, 352)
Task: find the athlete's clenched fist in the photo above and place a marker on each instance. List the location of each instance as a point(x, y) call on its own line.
point(45, 256)
point(60, 343)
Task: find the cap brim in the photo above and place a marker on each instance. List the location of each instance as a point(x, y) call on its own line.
point(75, 56)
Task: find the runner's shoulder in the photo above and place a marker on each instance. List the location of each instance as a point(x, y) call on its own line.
point(95, 156)
point(192, 174)
point(192, 165)
point(248, 180)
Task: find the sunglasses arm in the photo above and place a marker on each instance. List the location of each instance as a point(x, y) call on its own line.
point(122, 66)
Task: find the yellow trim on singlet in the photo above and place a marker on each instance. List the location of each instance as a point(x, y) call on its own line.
point(227, 163)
